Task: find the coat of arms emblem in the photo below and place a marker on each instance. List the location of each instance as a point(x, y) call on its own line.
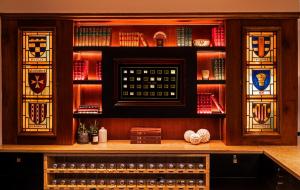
point(261, 79)
point(37, 79)
point(37, 112)
point(37, 46)
point(261, 112)
point(261, 45)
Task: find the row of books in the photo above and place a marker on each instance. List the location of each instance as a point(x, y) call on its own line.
point(88, 109)
point(102, 36)
point(142, 135)
point(92, 36)
point(218, 67)
point(184, 36)
point(132, 39)
point(80, 70)
point(218, 36)
point(81, 67)
point(205, 102)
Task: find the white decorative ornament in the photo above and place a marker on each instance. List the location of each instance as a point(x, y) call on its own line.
point(187, 135)
point(204, 135)
point(195, 138)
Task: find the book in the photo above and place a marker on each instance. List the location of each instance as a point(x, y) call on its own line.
point(184, 36)
point(143, 41)
point(218, 36)
point(145, 131)
point(219, 107)
point(204, 103)
point(145, 141)
point(138, 137)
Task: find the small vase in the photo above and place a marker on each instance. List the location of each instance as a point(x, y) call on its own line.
point(83, 138)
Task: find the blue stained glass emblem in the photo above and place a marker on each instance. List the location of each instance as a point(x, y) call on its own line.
point(261, 79)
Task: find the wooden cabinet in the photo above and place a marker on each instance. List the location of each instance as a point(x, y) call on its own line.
point(128, 171)
point(106, 43)
point(21, 171)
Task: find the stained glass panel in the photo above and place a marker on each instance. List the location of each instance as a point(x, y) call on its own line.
point(261, 82)
point(261, 115)
point(261, 47)
point(37, 82)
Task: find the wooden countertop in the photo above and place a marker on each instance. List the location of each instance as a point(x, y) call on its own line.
point(287, 157)
point(124, 146)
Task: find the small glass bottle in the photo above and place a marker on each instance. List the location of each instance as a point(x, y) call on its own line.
point(95, 138)
point(102, 135)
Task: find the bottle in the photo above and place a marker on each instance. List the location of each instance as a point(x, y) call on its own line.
point(95, 138)
point(102, 135)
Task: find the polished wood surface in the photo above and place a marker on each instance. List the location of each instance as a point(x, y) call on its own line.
point(287, 157)
point(124, 146)
point(287, 92)
point(63, 76)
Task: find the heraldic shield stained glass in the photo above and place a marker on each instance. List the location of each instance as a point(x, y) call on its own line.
point(261, 82)
point(37, 91)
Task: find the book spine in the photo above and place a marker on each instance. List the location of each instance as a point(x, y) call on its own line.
point(219, 107)
point(220, 68)
point(190, 36)
point(94, 36)
point(109, 34)
point(98, 36)
point(213, 36)
point(177, 37)
point(76, 36)
point(145, 141)
point(80, 36)
point(223, 68)
point(145, 137)
point(182, 36)
point(101, 36)
point(145, 133)
point(144, 43)
point(215, 68)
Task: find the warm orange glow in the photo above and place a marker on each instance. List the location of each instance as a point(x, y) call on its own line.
point(204, 62)
point(93, 58)
point(162, 21)
point(87, 95)
point(218, 90)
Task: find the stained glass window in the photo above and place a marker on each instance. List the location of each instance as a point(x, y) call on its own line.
point(37, 83)
point(261, 82)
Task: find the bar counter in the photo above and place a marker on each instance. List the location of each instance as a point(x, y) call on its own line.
point(287, 157)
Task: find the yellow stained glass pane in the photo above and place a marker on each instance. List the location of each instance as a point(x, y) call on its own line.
point(261, 82)
point(261, 115)
point(261, 48)
point(37, 82)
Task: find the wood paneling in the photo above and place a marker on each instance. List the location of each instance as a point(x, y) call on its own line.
point(233, 128)
point(9, 82)
point(63, 78)
point(287, 74)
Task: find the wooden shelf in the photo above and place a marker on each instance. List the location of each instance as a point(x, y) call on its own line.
point(101, 48)
point(87, 81)
point(125, 171)
point(122, 187)
point(101, 115)
point(212, 115)
point(211, 81)
point(87, 115)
